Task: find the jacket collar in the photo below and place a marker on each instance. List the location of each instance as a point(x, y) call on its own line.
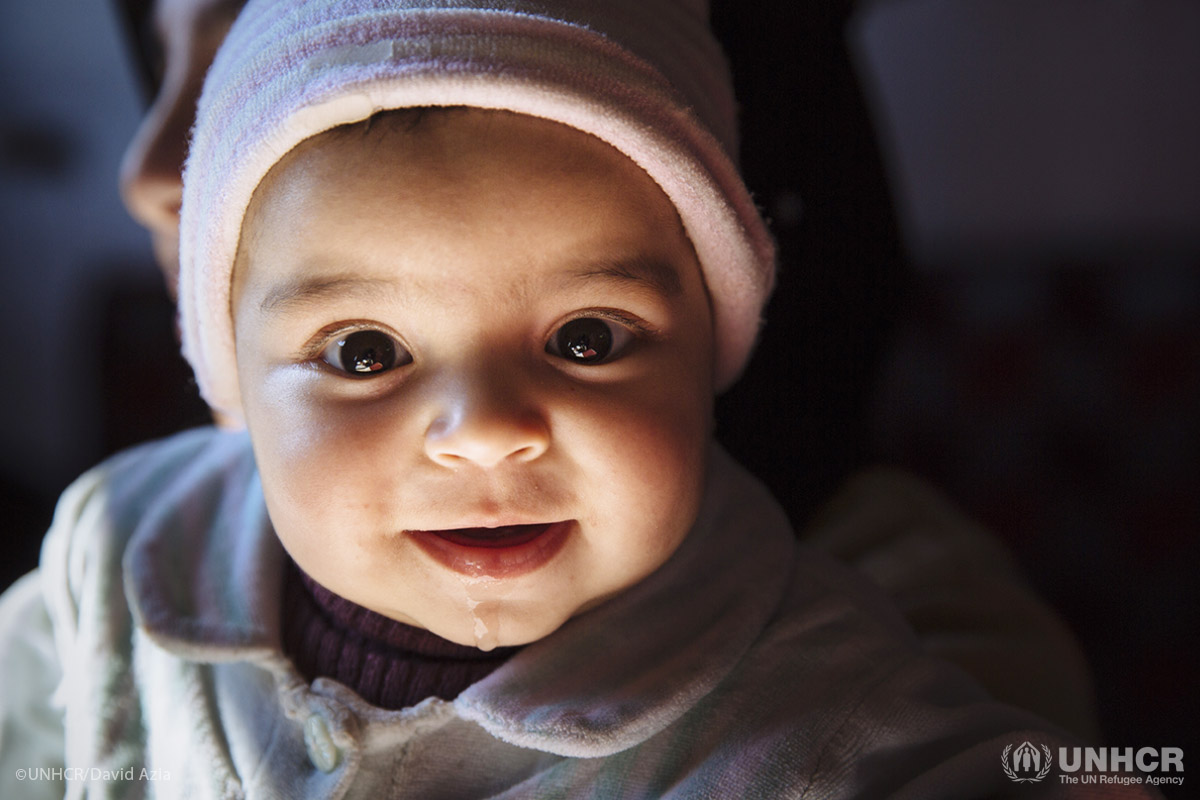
point(204, 570)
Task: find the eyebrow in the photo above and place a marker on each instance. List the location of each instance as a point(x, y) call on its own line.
point(312, 292)
point(660, 276)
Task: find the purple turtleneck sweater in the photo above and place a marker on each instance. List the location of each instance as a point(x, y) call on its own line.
point(389, 664)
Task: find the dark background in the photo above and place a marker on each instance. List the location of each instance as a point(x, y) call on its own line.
point(990, 274)
point(994, 281)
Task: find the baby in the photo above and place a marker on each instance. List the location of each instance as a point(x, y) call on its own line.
point(474, 351)
point(470, 277)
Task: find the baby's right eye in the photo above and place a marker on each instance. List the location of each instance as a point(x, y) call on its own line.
point(365, 352)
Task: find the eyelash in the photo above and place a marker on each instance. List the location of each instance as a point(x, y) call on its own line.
point(314, 352)
point(638, 325)
point(613, 348)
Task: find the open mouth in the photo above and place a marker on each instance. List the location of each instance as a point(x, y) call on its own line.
point(501, 552)
point(506, 536)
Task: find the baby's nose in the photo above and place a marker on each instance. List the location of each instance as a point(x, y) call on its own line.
point(486, 429)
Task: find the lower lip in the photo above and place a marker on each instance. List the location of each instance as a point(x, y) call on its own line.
point(509, 554)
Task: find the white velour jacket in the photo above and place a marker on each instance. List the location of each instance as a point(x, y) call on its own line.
point(143, 660)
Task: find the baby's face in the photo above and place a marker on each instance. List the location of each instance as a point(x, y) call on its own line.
point(476, 364)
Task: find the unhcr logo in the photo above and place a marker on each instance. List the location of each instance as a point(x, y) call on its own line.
point(1026, 764)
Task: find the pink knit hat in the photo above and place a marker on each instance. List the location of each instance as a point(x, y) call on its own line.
point(646, 76)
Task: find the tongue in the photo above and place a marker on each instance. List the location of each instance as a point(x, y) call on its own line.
point(506, 536)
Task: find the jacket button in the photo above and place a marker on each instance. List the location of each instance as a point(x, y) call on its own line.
point(322, 752)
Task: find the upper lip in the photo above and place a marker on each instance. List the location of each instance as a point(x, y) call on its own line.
point(503, 555)
point(488, 522)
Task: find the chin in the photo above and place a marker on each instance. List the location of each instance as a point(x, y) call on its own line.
point(488, 624)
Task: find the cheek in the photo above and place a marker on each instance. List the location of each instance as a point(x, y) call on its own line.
point(644, 453)
point(329, 468)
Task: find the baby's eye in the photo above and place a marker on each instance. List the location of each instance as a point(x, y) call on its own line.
point(365, 352)
point(589, 340)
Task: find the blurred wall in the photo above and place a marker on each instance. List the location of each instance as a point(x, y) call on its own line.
point(1025, 127)
point(69, 105)
point(1045, 164)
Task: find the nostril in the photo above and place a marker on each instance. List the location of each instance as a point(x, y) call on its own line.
point(528, 452)
point(484, 442)
point(446, 459)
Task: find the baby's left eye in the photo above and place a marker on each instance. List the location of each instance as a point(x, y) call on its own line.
point(589, 340)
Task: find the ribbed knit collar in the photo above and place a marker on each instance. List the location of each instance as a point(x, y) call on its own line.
point(389, 664)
